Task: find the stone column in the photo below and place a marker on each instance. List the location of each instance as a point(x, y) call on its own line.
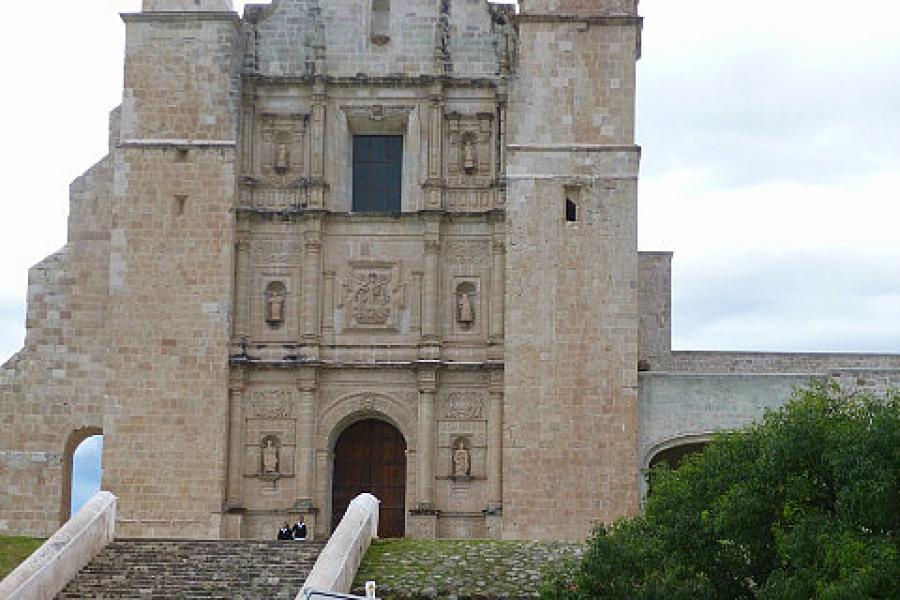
point(242, 285)
point(495, 451)
point(235, 470)
point(328, 308)
point(430, 291)
point(312, 274)
point(435, 123)
point(317, 149)
point(498, 286)
point(426, 442)
point(306, 443)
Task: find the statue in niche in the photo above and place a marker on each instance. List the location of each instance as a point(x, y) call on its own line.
point(462, 463)
point(282, 162)
point(465, 306)
point(469, 154)
point(465, 310)
point(275, 297)
point(270, 458)
point(281, 158)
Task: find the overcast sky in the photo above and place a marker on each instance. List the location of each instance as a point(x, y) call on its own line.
point(770, 160)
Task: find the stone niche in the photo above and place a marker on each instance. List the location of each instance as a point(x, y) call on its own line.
point(275, 280)
point(470, 157)
point(269, 435)
point(279, 163)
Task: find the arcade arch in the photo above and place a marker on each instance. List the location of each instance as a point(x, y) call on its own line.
point(75, 439)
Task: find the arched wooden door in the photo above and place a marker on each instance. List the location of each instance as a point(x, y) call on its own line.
point(370, 456)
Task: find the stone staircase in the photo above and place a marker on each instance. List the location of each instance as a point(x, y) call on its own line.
point(144, 568)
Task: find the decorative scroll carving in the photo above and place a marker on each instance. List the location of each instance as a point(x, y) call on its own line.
point(270, 404)
point(372, 295)
point(469, 252)
point(274, 199)
point(463, 406)
point(276, 251)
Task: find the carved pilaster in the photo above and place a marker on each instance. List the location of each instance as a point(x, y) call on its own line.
point(317, 150)
point(427, 441)
point(495, 445)
point(235, 445)
point(430, 279)
point(498, 283)
point(312, 273)
point(242, 278)
point(306, 445)
point(433, 187)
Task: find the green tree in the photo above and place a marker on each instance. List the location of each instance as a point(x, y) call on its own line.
point(804, 504)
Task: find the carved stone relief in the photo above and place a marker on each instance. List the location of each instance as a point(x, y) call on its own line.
point(468, 252)
point(278, 251)
point(270, 404)
point(372, 295)
point(463, 406)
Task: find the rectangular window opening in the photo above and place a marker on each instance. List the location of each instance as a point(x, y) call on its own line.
point(377, 173)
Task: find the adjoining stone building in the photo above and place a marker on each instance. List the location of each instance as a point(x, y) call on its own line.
point(368, 244)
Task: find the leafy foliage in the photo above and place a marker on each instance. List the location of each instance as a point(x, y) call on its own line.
point(804, 504)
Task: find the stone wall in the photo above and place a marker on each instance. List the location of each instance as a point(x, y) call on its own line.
point(655, 309)
point(344, 38)
point(53, 391)
point(570, 410)
point(171, 275)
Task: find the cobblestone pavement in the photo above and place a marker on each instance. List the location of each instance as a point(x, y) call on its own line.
point(461, 570)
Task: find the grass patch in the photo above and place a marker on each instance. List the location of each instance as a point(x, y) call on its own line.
point(13, 550)
point(462, 569)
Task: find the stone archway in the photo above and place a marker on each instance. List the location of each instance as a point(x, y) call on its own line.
point(74, 440)
point(370, 456)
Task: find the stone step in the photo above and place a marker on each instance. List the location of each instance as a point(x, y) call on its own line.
point(153, 568)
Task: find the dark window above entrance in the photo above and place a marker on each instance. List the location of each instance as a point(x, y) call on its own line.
point(377, 161)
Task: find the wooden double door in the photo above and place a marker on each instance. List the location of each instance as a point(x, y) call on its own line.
point(370, 456)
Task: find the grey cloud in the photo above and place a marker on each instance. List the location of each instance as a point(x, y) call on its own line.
point(798, 302)
point(12, 327)
point(756, 114)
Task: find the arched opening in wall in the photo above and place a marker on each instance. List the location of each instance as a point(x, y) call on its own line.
point(674, 456)
point(370, 456)
point(82, 469)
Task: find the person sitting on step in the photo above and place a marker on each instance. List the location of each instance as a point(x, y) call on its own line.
point(285, 532)
point(298, 531)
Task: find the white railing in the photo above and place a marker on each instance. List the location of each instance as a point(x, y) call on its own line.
point(46, 572)
point(337, 564)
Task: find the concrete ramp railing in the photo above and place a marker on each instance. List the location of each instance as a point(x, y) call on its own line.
point(337, 564)
point(46, 572)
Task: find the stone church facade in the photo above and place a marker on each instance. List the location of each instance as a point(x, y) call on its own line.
point(368, 244)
